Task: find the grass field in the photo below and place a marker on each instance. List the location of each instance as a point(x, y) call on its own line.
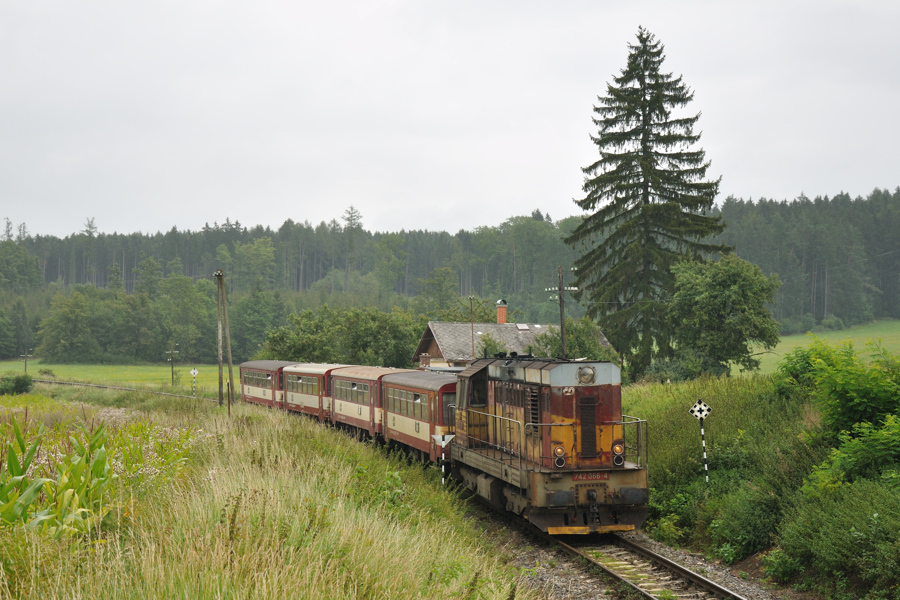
point(263, 505)
point(141, 376)
point(887, 331)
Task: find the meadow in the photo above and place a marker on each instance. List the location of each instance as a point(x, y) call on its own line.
point(259, 505)
point(888, 331)
point(156, 377)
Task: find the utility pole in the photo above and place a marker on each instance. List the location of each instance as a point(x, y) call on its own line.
point(562, 308)
point(223, 308)
point(218, 275)
point(172, 352)
point(26, 356)
point(472, 323)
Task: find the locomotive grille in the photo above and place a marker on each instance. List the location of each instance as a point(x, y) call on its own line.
point(588, 429)
point(533, 406)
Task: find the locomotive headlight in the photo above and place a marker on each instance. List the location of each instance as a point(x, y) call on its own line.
point(618, 450)
point(559, 451)
point(586, 374)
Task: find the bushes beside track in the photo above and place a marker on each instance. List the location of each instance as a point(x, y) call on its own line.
point(804, 467)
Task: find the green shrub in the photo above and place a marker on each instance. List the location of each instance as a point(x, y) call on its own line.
point(12, 384)
point(781, 567)
point(796, 373)
point(745, 523)
point(847, 389)
point(833, 323)
point(851, 391)
point(685, 365)
point(666, 530)
point(864, 453)
point(851, 534)
point(803, 324)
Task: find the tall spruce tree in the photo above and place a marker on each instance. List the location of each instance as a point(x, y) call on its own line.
point(651, 189)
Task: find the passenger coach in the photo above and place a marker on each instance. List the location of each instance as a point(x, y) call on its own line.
point(308, 388)
point(356, 397)
point(417, 405)
point(262, 382)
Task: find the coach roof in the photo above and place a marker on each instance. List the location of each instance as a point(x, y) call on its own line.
point(266, 365)
point(426, 380)
point(373, 373)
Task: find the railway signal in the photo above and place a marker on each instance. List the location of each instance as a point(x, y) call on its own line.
point(442, 441)
point(194, 372)
point(700, 410)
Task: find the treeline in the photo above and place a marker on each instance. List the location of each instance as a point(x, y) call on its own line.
point(161, 316)
point(838, 258)
point(519, 256)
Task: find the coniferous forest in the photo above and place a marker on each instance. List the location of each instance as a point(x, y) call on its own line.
point(96, 296)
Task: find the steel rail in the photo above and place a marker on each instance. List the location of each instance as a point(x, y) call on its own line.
point(696, 578)
point(682, 572)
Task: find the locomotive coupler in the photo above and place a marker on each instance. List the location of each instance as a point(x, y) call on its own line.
point(593, 507)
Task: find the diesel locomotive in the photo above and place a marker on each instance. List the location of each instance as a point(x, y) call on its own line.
point(542, 438)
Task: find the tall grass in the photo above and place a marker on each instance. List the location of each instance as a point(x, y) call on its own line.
point(757, 451)
point(269, 505)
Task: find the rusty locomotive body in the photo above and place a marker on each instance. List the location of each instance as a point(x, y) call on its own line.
point(543, 438)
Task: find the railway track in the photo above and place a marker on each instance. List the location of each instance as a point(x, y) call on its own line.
point(647, 573)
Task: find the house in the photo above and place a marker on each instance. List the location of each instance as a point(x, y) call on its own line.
point(451, 344)
point(458, 344)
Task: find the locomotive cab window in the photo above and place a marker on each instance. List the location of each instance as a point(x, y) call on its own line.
point(478, 397)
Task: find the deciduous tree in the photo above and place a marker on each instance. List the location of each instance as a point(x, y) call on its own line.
point(719, 309)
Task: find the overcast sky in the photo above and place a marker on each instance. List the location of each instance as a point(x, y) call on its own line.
point(422, 114)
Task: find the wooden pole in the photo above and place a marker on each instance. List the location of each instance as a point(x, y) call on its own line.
point(228, 344)
point(219, 291)
point(562, 315)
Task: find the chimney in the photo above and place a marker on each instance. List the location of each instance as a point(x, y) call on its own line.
point(424, 361)
point(501, 311)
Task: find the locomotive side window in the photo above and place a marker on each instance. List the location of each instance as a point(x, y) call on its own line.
point(449, 401)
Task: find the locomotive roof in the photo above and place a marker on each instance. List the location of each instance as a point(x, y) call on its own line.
point(266, 365)
point(546, 371)
point(373, 373)
point(426, 380)
point(313, 368)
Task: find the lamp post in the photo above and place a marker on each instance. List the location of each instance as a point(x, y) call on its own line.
point(562, 308)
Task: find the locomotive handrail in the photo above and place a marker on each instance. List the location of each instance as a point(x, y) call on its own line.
point(511, 451)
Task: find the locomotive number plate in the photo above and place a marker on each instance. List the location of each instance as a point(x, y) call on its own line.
point(590, 476)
